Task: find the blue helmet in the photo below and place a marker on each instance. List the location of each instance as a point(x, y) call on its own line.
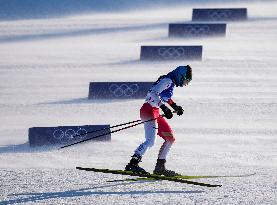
point(180, 74)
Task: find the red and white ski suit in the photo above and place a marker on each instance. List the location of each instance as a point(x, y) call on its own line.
point(150, 110)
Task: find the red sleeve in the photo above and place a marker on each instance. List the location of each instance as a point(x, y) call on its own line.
point(170, 101)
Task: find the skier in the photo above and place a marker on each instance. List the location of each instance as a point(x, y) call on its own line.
point(159, 94)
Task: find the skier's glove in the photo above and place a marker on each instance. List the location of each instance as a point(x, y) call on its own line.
point(167, 112)
point(179, 110)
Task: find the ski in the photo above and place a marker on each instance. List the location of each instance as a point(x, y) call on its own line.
point(142, 179)
point(152, 179)
point(148, 176)
point(184, 177)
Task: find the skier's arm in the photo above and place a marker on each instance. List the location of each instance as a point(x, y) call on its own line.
point(176, 107)
point(167, 112)
point(156, 90)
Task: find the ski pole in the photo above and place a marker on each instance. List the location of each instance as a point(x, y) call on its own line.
point(119, 125)
point(112, 131)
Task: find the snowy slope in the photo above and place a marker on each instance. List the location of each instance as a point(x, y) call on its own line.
point(228, 126)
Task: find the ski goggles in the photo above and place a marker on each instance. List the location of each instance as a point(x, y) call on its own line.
point(183, 78)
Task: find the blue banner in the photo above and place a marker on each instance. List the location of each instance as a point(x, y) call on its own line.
point(219, 14)
point(157, 53)
point(196, 30)
point(118, 90)
point(63, 135)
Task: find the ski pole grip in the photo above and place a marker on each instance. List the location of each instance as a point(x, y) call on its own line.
point(163, 115)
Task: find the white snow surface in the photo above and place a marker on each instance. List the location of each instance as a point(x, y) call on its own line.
point(229, 125)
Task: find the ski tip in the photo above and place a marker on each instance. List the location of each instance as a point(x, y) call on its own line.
point(82, 168)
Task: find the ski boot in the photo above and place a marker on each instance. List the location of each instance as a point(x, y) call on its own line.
point(133, 165)
point(161, 170)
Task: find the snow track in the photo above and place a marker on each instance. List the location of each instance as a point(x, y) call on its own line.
point(228, 126)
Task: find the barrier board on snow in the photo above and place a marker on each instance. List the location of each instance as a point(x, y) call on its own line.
point(196, 30)
point(157, 53)
point(219, 14)
point(63, 135)
point(118, 90)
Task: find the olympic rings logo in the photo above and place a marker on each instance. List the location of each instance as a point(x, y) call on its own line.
point(219, 14)
point(123, 90)
point(69, 134)
point(197, 29)
point(171, 52)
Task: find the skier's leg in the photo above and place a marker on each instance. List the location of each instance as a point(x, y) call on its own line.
point(164, 131)
point(165, 148)
point(150, 138)
point(147, 112)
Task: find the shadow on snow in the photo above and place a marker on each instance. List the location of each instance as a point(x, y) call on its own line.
point(25, 148)
point(35, 197)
